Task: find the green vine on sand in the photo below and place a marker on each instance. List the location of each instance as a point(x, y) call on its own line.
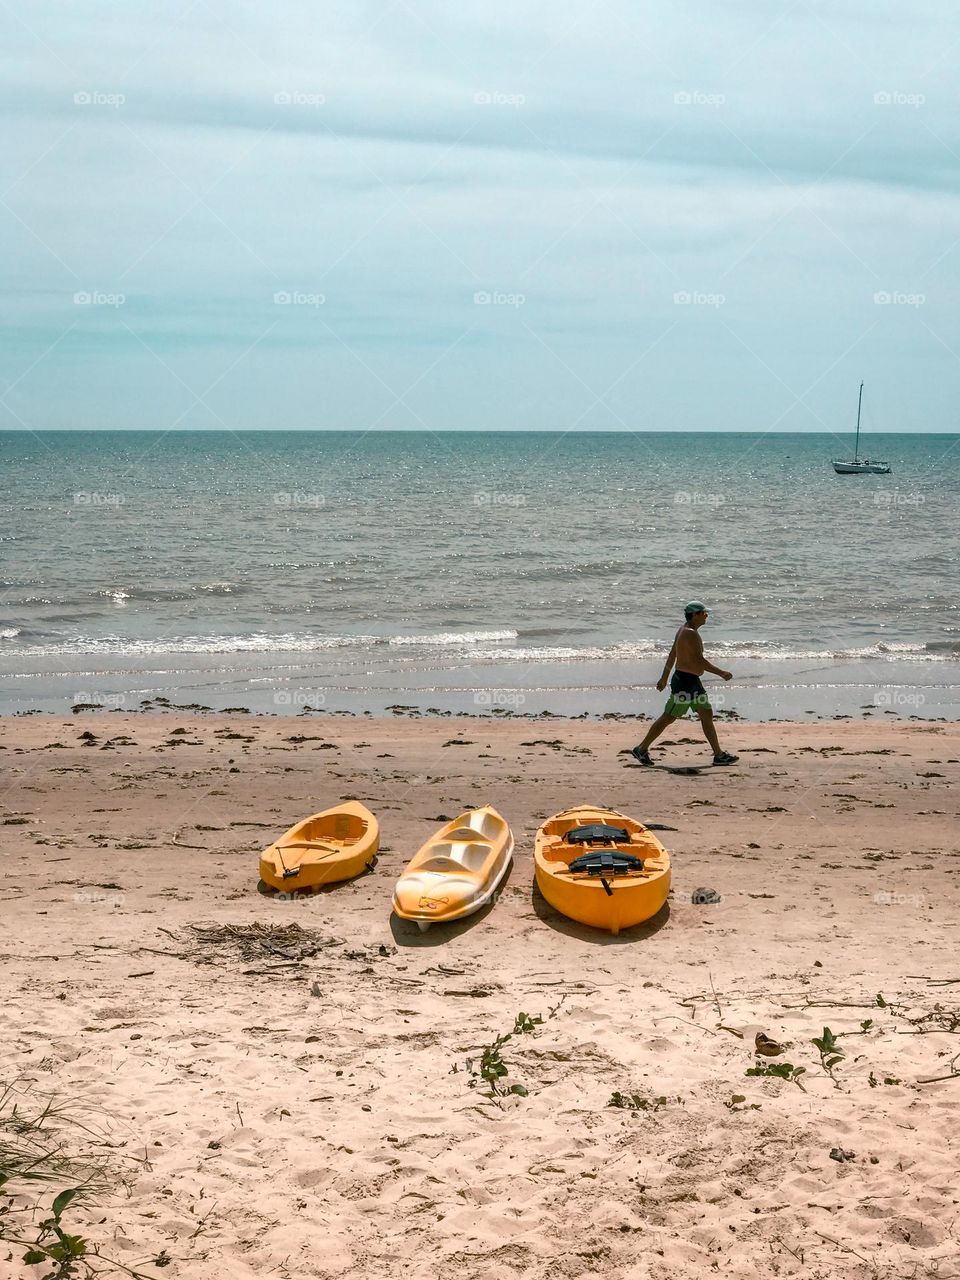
point(780, 1071)
point(491, 1068)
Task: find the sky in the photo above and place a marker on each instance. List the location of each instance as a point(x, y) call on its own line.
point(438, 215)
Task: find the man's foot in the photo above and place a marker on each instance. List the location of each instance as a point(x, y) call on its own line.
point(725, 758)
point(642, 757)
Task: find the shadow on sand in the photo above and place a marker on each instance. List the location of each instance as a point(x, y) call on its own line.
point(573, 929)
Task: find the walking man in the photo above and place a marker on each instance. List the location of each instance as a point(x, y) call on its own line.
point(686, 688)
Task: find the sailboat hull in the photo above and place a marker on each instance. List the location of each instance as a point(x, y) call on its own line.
point(862, 468)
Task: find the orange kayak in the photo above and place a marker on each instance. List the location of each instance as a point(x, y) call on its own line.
point(457, 871)
point(600, 867)
point(336, 844)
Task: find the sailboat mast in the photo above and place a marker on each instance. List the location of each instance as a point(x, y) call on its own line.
point(856, 447)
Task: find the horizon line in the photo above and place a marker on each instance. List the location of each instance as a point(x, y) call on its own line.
point(436, 431)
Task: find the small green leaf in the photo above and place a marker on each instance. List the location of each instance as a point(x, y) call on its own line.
point(63, 1199)
point(75, 1246)
point(34, 1255)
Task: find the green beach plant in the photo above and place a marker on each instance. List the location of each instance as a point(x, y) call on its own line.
point(492, 1068)
point(779, 1071)
point(831, 1055)
point(48, 1140)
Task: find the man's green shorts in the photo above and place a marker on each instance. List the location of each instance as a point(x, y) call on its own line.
point(686, 694)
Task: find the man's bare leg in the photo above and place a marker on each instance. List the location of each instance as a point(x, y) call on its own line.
point(709, 732)
point(653, 733)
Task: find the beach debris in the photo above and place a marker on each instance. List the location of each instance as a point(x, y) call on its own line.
point(738, 1102)
point(841, 1156)
point(371, 952)
point(873, 1082)
point(213, 943)
point(767, 1047)
point(636, 1102)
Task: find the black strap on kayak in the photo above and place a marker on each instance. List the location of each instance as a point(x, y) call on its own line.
point(597, 833)
point(606, 862)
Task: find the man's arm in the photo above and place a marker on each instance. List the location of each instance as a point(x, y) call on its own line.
point(708, 666)
point(667, 666)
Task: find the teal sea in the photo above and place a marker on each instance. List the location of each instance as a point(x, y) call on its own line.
point(345, 570)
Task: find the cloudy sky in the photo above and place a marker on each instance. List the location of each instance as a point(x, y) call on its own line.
point(410, 214)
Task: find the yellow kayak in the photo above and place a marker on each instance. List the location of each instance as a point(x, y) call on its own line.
point(457, 871)
point(333, 845)
point(601, 867)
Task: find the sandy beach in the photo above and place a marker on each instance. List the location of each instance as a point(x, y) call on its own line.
point(322, 1115)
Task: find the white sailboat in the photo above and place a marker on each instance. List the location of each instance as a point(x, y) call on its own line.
point(860, 466)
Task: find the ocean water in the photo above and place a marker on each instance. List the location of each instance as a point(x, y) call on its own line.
point(313, 563)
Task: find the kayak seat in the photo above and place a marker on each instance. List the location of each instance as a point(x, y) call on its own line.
point(471, 855)
point(606, 862)
point(485, 825)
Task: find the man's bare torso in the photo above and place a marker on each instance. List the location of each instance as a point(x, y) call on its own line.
point(690, 651)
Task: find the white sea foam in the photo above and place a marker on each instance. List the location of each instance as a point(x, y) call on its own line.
point(466, 638)
point(471, 646)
